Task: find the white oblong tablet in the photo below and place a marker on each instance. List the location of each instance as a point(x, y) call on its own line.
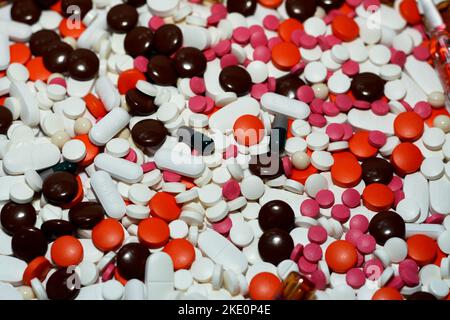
point(30, 157)
point(119, 168)
point(107, 194)
point(12, 269)
point(369, 121)
point(277, 103)
point(179, 162)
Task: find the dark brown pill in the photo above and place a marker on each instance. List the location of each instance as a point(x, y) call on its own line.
point(235, 79)
point(14, 216)
point(190, 62)
point(266, 166)
point(161, 71)
point(275, 245)
point(136, 3)
point(41, 40)
point(386, 225)
point(83, 64)
point(25, 11)
point(244, 7)
point(367, 86)
point(56, 228)
point(60, 188)
point(28, 243)
point(276, 214)
point(86, 215)
point(330, 4)
point(45, 4)
point(421, 295)
point(139, 103)
point(75, 7)
point(63, 284)
point(149, 133)
point(301, 9)
point(138, 42)
point(55, 59)
point(288, 85)
point(168, 39)
point(131, 260)
point(122, 18)
point(377, 170)
point(6, 119)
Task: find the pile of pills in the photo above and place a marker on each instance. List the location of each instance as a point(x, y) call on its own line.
point(251, 149)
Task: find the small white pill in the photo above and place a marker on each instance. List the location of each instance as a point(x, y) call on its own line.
point(74, 150)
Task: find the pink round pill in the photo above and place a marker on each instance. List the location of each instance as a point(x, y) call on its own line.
point(398, 58)
point(318, 278)
point(359, 222)
point(255, 28)
point(59, 81)
point(344, 102)
point(209, 54)
point(197, 104)
point(148, 166)
point(241, 35)
point(310, 208)
point(371, 5)
point(348, 131)
point(421, 53)
point(298, 68)
point(340, 212)
point(215, 18)
point(258, 90)
point(316, 106)
point(287, 166)
point(258, 39)
point(262, 53)
point(399, 195)
point(271, 84)
point(396, 282)
point(396, 183)
point(332, 40)
point(330, 109)
point(223, 226)
point(169, 176)
point(353, 235)
point(423, 109)
point(231, 190)
point(323, 44)
point(210, 104)
point(222, 48)
point(108, 273)
point(353, 3)
point(273, 42)
point(317, 234)
point(312, 252)
point(131, 156)
point(409, 272)
point(305, 266)
point(351, 198)
point(366, 244)
point(361, 104)
point(140, 63)
point(355, 278)
point(360, 259)
point(377, 138)
point(306, 41)
point(373, 269)
point(155, 23)
point(406, 105)
point(305, 93)
point(271, 22)
point(297, 252)
point(350, 68)
point(317, 120)
point(325, 198)
point(197, 85)
point(435, 218)
point(335, 131)
point(228, 60)
point(218, 8)
point(230, 152)
point(380, 107)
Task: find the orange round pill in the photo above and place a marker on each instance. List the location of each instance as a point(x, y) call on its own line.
point(248, 130)
point(410, 12)
point(341, 256)
point(346, 171)
point(408, 126)
point(360, 146)
point(422, 249)
point(345, 28)
point(285, 55)
point(153, 232)
point(387, 293)
point(287, 27)
point(270, 3)
point(19, 53)
point(182, 253)
point(265, 286)
point(91, 150)
point(37, 69)
point(108, 235)
point(378, 197)
point(164, 206)
point(66, 251)
point(94, 105)
point(36, 268)
point(128, 79)
point(68, 29)
point(406, 158)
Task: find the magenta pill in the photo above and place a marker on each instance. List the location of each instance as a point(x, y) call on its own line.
point(214, 19)
point(59, 81)
point(169, 176)
point(262, 53)
point(305, 93)
point(241, 35)
point(295, 37)
point(325, 198)
point(223, 226)
point(398, 58)
point(350, 68)
point(317, 234)
point(335, 131)
point(340, 213)
point(323, 44)
point(406, 105)
point(210, 104)
point(312, 252)
point(330, 109)
point(344, 102)
point(332, 40)
point(348, 131)
point(361, 104)
point(396, 282)
point(258, 39)
point(316, 106)
point(399, 195)
point(373, 269)
point(359, 222)
point(222, 48)
point(305, 266)
point(435, 218)
point(155, 23)
point(297, 252)
point(396, 183)
point(231, 190)
point(409, 272)
point(219, 8)
point(148, 166)
point(359, 260)
point(366, 244)
point(230, 152)
point(317, 120)
point(140, 63)
point(310, 208)
point(377, 138)
point(287, 166)
point(306, 41)
point(298, 68)
point(209, 54)
point(258, 90)
point(108, 273)
point(423, 109)
point(197, 104)
point(371, 5)
point(228, 60)
point(353, 3)
point(271, 84)
point(353, 235)
point(273, 42)
point(380, 108)
point(318, 278)
point(351, 198)
point(421, 53)
point(355, 278)
point(131, 156)
point(271, 22)
point(197, 85)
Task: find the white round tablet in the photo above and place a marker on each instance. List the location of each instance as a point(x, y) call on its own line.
point(322, 160)
point(21, 193)
point(444, 241)
point(118, 147)
point(397, 249)
point(379, 54)
point(315, 26)
point(241, 234)
point(295, 144)
point(394, 90)
point(74, 150)
point(202, 269)
point(112, 290)
point(315, 72)
point(439, 288)
point(252, 187)
point(408, 209)
point(432, 168)
point(318, 140)
point(140, 194)
point(258, 71)
point(433, 138)
point(314, 183)
point(74, 107)
point(178, 229)
point(210, 194)
point(339, 83)
point(182, 279)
